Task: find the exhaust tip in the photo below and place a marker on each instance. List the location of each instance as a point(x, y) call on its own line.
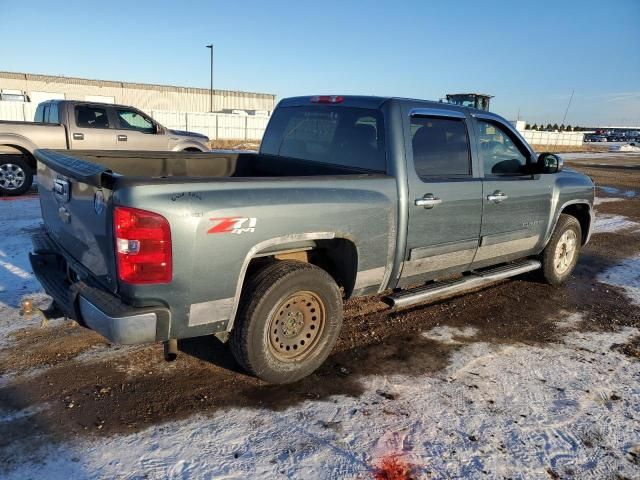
point(171, 350)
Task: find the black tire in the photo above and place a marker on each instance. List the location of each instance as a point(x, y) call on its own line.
point(16, 176)
point(555, 271)
point(261, 309)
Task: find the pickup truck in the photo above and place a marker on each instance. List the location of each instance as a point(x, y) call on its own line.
point(66, 124)
point(348, 196)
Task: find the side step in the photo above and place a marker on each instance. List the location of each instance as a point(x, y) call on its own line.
point(476, 279)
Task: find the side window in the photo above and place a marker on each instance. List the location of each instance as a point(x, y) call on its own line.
point(91, 117)
point(500, 154)
point(440, 147)
point(132, 120)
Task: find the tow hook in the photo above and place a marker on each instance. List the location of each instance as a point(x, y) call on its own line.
point(170, 349)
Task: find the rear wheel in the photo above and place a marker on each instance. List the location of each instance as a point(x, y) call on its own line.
point(16, 175)
point(560, 256)
point(289, 319)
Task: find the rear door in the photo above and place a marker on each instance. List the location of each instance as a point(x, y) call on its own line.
point(445, 195)
point(136, 131)
point(516, 201)
point(92, 128)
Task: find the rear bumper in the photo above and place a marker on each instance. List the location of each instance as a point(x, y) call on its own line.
point(93, 307)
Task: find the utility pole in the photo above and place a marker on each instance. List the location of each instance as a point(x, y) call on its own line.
point(210, 47)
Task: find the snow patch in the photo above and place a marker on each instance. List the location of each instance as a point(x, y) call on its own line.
point(625, 275)
point(606, 223)
point(569, 321)
point(445, 334)
point(617, 191)
point(625, 148)
point(600, 200)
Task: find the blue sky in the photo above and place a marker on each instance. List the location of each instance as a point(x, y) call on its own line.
point(529, 55)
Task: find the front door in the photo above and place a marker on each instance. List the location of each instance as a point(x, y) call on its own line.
point(445, 197)
point(516, 201)
point(136, 131)
point(93, 129)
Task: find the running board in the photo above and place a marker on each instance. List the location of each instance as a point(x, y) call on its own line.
point(476, 279)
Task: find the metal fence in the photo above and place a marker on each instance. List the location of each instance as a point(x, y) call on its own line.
point(536, 137)
point(217, 126)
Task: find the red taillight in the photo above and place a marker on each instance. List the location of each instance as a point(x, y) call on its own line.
point(327, 99)
point(143, 246)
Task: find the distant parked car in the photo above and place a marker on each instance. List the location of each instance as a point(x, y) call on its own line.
point(71, 125)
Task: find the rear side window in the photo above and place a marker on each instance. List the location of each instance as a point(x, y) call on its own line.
point(353, 137)
point(91, 117)
point(440, 147)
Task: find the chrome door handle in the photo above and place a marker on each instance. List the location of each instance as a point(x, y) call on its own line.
point(497, 197)
point(122, 138)
point(78, 136)
point(428, 201)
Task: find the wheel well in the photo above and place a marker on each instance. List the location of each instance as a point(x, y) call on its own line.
point(26, 154)
point(581, 212)
point(192, 149)
point(338, 257)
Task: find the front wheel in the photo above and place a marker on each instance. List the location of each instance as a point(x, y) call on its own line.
point(289, 319)
point(16, 175)
point(560, 256)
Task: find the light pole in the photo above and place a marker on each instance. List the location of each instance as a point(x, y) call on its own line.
point(211, 84)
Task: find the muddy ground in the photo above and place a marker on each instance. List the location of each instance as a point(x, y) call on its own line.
point(83, 387)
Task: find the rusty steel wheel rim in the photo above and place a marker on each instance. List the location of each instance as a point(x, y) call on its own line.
point(296, 326)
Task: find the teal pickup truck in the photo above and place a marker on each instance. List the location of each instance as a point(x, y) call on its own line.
point(348, 196)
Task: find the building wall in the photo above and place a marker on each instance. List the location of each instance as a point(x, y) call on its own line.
point(146, 97)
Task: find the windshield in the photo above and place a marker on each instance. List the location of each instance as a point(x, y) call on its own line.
point(352, 137)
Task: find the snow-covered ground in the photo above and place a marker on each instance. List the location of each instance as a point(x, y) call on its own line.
point(593, 155)
point(512, 411)
point(496, 410)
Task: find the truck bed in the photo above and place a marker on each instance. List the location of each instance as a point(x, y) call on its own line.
point(111, 169)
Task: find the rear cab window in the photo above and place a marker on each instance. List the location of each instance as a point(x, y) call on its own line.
point(345, 136)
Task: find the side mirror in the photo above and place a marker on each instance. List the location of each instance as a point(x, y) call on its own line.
point(157, 129)
point(549, 163)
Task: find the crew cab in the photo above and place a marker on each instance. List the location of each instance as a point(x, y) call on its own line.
point(348, 196)
point(73, 125)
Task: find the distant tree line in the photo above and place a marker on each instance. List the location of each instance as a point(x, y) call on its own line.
point(553, 128)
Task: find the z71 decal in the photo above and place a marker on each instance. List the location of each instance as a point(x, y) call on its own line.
point(235, 225)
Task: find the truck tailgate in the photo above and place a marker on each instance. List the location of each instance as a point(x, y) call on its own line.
point(74, 209)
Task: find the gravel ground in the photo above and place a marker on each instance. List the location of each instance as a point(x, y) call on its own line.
point(520, 380)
